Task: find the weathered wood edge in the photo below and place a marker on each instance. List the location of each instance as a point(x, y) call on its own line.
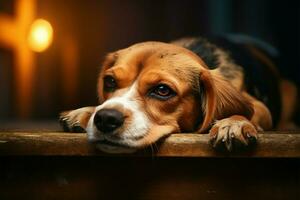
point(270, 145)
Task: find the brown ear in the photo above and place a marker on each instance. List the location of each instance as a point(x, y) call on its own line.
point(221, 99)
point(209, 99)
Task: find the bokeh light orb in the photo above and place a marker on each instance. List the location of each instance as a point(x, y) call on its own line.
point(40, 35)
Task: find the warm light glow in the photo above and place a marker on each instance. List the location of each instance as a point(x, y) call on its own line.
point(40, 35)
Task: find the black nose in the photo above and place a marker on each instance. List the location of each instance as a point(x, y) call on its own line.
point(108, 120)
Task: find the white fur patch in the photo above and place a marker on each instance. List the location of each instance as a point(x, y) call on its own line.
point(137, 128)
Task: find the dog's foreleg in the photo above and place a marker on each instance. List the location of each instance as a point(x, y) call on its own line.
point(237, 131)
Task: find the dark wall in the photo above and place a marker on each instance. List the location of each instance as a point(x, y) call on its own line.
point(101, 27)
point(107, 25)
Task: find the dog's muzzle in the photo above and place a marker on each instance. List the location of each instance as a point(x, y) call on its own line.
point(108, 120)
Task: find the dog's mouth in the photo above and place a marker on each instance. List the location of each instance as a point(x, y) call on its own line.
point(110, 143)
point(114, 147)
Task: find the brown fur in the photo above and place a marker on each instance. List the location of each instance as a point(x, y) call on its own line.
point(204, 94)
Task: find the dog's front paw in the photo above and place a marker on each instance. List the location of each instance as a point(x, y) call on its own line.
point(233, 134)
point(76, 120)
point(70, 123)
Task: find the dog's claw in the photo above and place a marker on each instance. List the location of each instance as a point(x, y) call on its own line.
point(69, 124)
point(64, 123)
point(77, 129)
point(230, 135)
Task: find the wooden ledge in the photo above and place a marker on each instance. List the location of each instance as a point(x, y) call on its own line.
point(270, 144)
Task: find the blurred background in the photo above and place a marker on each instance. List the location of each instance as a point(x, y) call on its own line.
point(51, 65)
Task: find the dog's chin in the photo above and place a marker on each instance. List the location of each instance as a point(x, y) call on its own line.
point(110, 147)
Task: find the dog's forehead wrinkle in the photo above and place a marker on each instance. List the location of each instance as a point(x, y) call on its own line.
point(186, 73)
point(135, 61)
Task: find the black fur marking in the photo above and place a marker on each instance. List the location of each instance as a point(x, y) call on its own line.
point(260, 81)
point(206, 52)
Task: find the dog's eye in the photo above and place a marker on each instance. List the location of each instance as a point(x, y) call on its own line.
point(162, 92)
point(110, 84)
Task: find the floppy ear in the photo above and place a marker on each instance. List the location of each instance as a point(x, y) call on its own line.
point(221, 99)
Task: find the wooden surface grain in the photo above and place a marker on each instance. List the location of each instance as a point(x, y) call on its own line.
point(58, 165)
point(270, 144)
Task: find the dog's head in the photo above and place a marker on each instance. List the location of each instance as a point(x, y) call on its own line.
point(153, 89)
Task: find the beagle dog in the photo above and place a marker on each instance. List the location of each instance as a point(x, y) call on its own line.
point(227, 86)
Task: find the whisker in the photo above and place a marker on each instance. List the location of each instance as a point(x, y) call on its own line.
point(156, 147)
point(152, 151)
